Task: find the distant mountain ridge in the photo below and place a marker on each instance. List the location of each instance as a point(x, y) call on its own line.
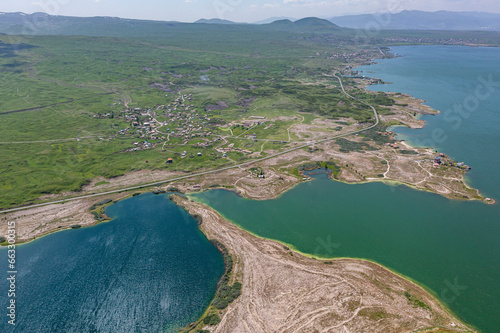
point(44, 24)
point(272, 19)
point(420, 20)
point(308, 24)
point(215, 21)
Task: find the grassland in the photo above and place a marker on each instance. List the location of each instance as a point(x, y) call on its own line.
point(75, 108)
point(64, 101)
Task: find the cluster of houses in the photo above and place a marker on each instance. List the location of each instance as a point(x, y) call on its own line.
point(438, 161)
point(390, 134)
point(442, 41)
point(141, 145)
point(251, 122)
point(178, 119)
point(348, 57)
point(392, 145)
point(206, 143)
point(231, 147)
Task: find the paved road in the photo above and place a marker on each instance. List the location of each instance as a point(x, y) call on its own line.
point(211, 171)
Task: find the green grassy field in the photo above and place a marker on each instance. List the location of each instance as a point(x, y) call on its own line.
point(57, 89)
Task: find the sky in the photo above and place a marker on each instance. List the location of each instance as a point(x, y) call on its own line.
point(237, 10)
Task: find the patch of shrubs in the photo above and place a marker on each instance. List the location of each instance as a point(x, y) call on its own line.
point(100, 203)
point(225, 293)
point(159, 191)
point(98, 216)
point(98, 213)
point(309, 166)
point(198, 219)
point(332, 166)
point(415, 301)
point(379, 139)
point(212, 319)
point(347, 146)
point(408, 152)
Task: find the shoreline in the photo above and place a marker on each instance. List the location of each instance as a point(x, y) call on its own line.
point(69, 196)
point(292, 248)
point(418, 116)
point(288, 187)
point(326, 258)
point(188, 204)
point(278, 170)
point(388, 182)
point(391, 182)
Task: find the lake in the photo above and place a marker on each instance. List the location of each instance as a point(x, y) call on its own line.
point(451, 247)
point(148, 270)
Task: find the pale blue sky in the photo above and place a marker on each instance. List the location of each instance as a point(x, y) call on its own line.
point(236, 10)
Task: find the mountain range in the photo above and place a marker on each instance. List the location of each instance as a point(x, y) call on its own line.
point(419, 20)
point(44, 24)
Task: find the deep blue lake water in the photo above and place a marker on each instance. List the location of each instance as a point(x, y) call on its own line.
point(148, 270)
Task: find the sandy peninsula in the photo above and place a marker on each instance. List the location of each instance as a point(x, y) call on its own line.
point(284, 291)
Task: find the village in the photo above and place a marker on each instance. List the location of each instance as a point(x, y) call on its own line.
point(177, 121)
point(181, 123)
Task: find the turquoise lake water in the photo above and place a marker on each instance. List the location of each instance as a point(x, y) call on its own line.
point(148, 270)
point(451, 247)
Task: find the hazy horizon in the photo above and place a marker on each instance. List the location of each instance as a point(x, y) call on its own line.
point(239, 10)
